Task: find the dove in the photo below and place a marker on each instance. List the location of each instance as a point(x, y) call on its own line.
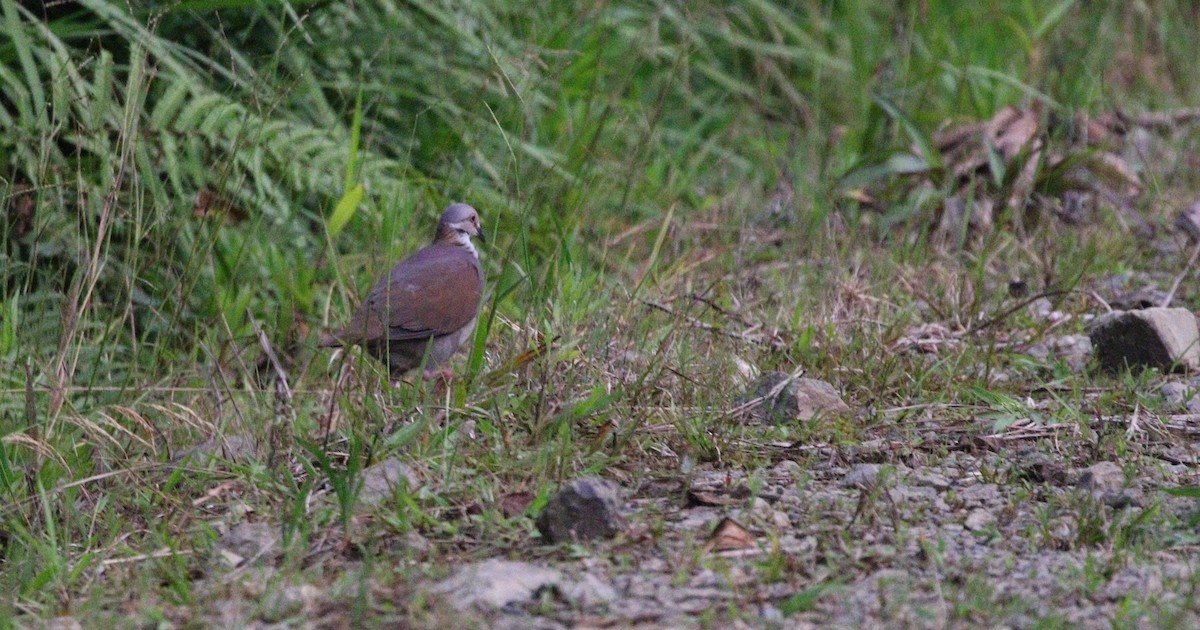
point(425, 308)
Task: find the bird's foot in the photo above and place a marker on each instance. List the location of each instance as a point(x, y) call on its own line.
point(444, 375)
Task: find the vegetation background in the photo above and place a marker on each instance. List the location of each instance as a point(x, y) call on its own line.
point(678, 194)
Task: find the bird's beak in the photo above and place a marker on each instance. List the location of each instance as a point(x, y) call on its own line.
point(481, 235)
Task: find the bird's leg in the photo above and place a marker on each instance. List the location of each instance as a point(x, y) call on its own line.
point(444, 375)
point(441, 379)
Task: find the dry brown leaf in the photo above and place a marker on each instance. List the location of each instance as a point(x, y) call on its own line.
point(210, 204)
point(699, 498)
point(1011, 130)
point(521, 360)
point(21, 210)
point(729, 535)
point(954, 138)
point(1113, 171)
point(861, 196)
point(515, 503)
point(1023, 186)
point(927, 338)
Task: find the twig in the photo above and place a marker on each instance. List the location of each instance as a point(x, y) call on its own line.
point(1018, 306)
point(1179, 277)
point(1158, 120)
point(1133, 427)
point(696, 323)
point(750, 404)
point(741, 319)
point(161, 553)
point(281, 388)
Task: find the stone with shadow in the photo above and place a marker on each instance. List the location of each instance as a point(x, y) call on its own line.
point(777, 398)
point(584, 509)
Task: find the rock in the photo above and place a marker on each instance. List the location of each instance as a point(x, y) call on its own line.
point(979, 519)
point(1040, 308)
point(498, 583)
point(379, 481)
point(60, 623)
point(247, 543)
point(588, 590)
point(232, 448)
point(786, 468)
point(1106, 482)
point(228, 612)
point(280, 604)
point(1132, 579)
point(416, 544)
point(1039, 351)
point(495, 583)
point(980, 495)
point(1063, 530)
point(1188, 220)
point(1039, 467)
point(861, 476)
point(1148, 296)
point(1181, 397)
point(1154, 337)
point(1074, 350)
point(762, 510)
point(1126, 498)
point(584, 509)
point(930, 478)
point(1102, 478)
point(797, 399)
point(771, 616)
point(1175, 394)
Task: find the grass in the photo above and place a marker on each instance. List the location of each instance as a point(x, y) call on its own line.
point(673, 194)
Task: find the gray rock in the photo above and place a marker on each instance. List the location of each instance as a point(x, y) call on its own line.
point(289, 601)
point(247, 543)
point(379, 481)
point(415, 545)
point(1039, 351)
point(786, 468)
point(797, 399)
point(498, 583)
point(980, 494)
point(930, 478)
point(1039, 467)
point(585, 509)
point(771, 615)
point(861, 476)
point(232, 448)
point(1102, 478)
point(495, 583)
point(1132, 579)
point(763, 511)
point(1128, 497)
point(979, 519)
point(1175, 394)
point(1151, 337)
point(61, 623)
point(1074, 350)
point(1181, 397)
point(1188, 220)
point(588, 590)
point(1063, 531)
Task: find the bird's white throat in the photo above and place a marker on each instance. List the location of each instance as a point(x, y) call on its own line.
point(464, 239)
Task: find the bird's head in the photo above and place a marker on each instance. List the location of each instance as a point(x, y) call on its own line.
point(458, 224)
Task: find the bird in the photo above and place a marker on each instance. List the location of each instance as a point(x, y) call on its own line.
point(425, 308)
